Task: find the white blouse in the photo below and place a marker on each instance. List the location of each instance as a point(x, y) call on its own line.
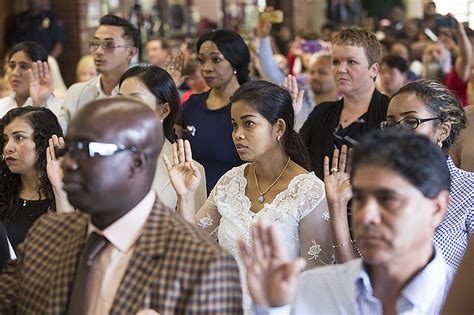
point(300, 211)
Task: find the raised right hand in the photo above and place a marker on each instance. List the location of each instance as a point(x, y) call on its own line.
point(184, 175)
point(263, 27)
point(271, 277)
point(41, 83)
point(337, 180)
point(53, 167)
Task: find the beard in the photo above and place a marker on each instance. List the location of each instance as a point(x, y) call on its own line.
point(432, 71)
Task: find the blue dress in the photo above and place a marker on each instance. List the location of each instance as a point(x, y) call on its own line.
point(210, 135)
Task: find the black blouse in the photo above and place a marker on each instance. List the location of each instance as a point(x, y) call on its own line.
point(322, 132)
point(30, 211)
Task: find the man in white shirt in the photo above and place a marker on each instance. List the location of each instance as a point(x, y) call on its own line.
point(400, 185)
point(114, 45)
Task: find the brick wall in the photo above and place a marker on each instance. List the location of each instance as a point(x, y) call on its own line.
point(73, 13)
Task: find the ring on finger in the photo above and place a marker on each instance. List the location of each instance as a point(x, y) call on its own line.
point(334, 170)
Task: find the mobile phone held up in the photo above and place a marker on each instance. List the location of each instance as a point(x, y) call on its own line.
point(311, 46)
point(273, 16)
point(444, 21)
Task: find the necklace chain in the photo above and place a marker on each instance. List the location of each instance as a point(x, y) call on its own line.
point(261, 198)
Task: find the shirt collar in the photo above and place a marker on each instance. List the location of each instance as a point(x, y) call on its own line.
point(100, 91)
point(421, 290)
point(455, 171)
point(425, 287)
point(124, 232)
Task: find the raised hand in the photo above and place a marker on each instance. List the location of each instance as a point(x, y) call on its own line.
point(41, 84)
point(263, 27)
point(271, 277)
point(291, 85)
point(337, 179)
point(53, 167)
point(174, 66)
point(55, 175)
point(183, 174)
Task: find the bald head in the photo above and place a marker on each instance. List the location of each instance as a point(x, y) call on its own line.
point(124, 121)
point(112, 149)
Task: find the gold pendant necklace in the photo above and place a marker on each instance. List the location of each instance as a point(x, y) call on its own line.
point(261, 198)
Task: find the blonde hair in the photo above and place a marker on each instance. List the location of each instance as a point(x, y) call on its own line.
point(84, 62)
point(356, 36)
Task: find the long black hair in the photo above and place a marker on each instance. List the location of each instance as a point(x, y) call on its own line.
point(44, 124)
point(274, 102)
point(161, 85)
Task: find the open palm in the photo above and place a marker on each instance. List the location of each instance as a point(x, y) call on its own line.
point(41, 84)
point(184, 175)
point(337, 180)
point(271, 277)
point(53, 167)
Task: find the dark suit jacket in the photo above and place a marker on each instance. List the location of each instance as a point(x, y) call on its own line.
point(175, 269)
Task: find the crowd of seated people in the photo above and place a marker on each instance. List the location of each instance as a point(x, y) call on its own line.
point(313, 174)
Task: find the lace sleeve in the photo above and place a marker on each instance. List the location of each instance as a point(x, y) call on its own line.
point(316, 243)
point(208, 217)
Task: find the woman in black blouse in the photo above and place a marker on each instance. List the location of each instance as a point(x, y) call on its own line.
point(26, 191)
point(356, 56)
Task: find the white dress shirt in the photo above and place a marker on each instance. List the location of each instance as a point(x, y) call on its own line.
point(346, 289)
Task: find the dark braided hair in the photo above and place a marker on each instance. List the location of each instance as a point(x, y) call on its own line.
point(44, 124)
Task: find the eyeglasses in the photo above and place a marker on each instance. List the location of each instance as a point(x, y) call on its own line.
point(92, 149)
point(408, 123)
point(107, 46)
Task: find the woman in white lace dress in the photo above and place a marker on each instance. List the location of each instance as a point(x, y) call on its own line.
point(274, 186)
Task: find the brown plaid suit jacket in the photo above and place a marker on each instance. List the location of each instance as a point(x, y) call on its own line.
point(175, 269)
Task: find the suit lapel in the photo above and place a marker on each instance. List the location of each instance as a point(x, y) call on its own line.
point(66, 264)
point(144, 264)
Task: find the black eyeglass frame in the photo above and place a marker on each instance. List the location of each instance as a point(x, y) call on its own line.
point(386, 124)
point(94, 149)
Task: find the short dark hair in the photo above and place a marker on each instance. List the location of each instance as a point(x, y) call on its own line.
point(234, 49)
point(395, 62)
point(412, 156)
point(34, 51)
point(161, 85)
point(441, 102)
point(274, 102)
point(129, 30)
point(44, 124)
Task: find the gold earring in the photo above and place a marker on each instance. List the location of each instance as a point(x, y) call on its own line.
point(278, 138)
point(440, 143)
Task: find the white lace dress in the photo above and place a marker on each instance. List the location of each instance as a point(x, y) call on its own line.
point(301, 212)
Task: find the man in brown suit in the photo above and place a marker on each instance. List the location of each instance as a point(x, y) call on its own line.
point(152, 258)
